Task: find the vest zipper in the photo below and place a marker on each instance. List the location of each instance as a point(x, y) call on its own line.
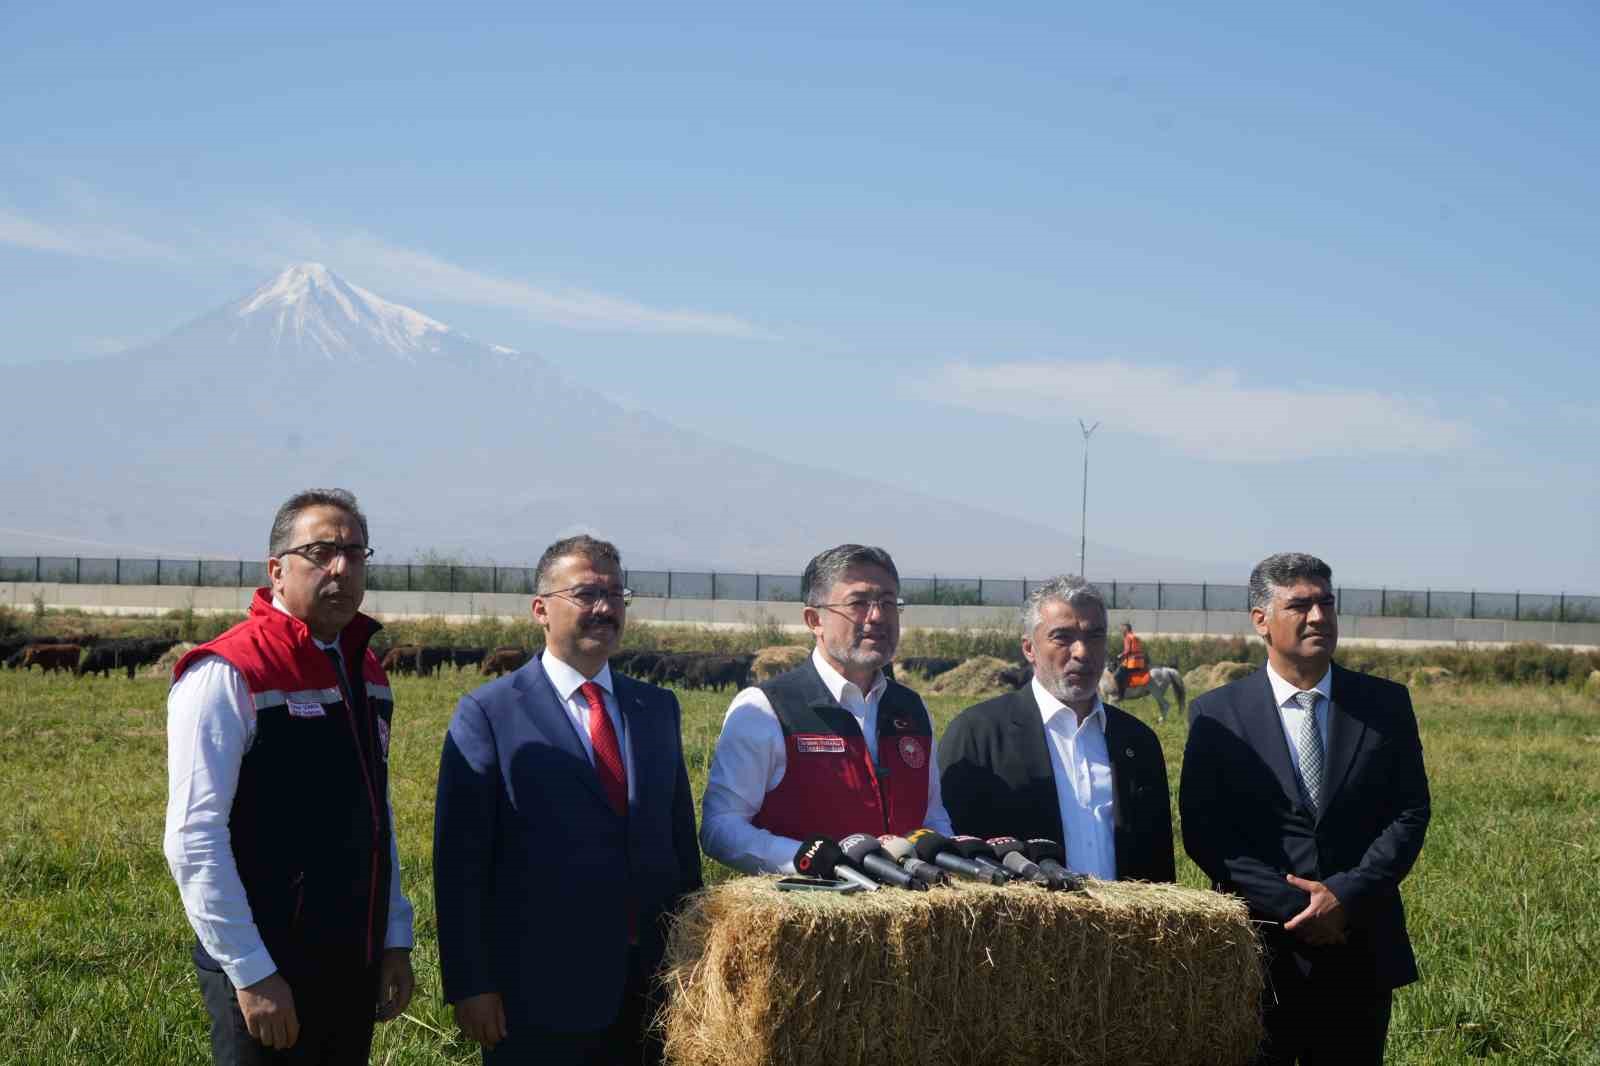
point(372, 798)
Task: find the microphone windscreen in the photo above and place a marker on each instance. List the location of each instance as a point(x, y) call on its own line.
point(817, 857)
point(1039, 848)
point(858, 846)
point(929, 844)
point(972, 848)
point(899, 848)
point(1004, 846)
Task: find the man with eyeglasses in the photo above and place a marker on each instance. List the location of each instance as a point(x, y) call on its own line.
point(1304, 793)
point(832, 747)
point(564, 831)
point(280, 831)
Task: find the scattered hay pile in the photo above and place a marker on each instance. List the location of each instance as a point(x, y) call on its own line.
point(1592, 685)
point(1126, 973)
point(1204, 678)
point(162, 667)
point(1430, 675)
point(980, 676)
point(770, 662)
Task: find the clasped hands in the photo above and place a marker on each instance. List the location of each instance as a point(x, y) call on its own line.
point(1323, 920)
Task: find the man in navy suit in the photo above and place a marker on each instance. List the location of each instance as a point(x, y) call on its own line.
point(1304, 792)
point(564, 833)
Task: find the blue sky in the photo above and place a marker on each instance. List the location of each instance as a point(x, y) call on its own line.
point(1325, 276)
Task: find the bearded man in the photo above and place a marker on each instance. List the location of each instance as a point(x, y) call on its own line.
point(832, 747)
point(1050, 760)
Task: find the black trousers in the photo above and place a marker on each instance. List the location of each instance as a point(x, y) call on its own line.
point(624, 1043)
point(1327, 1024)
point(336, 1020)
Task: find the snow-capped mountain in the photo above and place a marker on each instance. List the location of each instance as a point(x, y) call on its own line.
point(189, 444)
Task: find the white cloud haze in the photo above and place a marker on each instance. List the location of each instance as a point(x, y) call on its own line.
point(1210, 415)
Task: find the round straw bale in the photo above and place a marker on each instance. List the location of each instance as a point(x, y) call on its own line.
point(1124, 973)
point(162, 667)
point(778, 659)
point(1430, 675)
point(1197, 681)
point(1592, 684)
point(1224, 672)
point(977, 676)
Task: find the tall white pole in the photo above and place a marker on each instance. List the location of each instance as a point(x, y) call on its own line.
point(1083, 517)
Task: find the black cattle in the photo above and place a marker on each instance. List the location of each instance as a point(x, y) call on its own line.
point(126, 653)
point(401, 659)
point(430, 658)
point(671, 668)
point(11, 649)
point(462, 658)
point(1017, 676)
point(717, 671)
point(926, 665)
point(50, 657)
point(503, 660)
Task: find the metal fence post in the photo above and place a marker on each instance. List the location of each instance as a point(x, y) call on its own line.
point(1158, 595)
point(1472, 604)
point(669, 584)
point(1203, 606)
point(1516, 607)
point(1383, 603)
point(117, 570)
point(158, 570)
point(980, 591)
point(1561, 608)
point(36, 572)
point(1113, 594)
point(77, 570)
point(1427, 604)
point(713, 584)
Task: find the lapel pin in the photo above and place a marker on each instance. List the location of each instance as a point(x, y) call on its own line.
point(1128, 752)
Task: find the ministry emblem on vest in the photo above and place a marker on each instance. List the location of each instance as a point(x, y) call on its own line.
point(912, 753)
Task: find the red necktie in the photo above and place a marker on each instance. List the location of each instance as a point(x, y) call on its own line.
point(608, 762)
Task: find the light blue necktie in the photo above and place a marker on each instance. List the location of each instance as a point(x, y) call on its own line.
point(1308, 744)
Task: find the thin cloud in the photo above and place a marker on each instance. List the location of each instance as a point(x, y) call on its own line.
point(86, 241)
point(1211, 415)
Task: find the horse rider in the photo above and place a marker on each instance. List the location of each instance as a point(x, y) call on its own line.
point(1131, 663)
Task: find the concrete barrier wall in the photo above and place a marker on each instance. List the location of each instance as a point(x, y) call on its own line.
point(463, 606)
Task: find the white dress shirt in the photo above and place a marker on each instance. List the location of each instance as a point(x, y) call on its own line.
point(1291, 714)
point(1081, 766)
point(568, 682)
point(749, 762)
point(211, 724)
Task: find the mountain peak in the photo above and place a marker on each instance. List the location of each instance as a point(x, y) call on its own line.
point(309, 307)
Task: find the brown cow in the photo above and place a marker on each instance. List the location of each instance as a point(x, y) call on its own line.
point(51, 656)
point(504, 660)
point(401, 659)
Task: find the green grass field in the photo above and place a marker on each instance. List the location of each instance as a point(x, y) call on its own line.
point(1504, 905)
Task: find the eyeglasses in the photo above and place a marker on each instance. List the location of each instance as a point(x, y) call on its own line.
point(589, 596)
point(321, 553)
point(859, 609)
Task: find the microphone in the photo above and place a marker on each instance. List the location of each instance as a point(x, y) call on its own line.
point(1052, 858)
point(863, 852)
point(1013, 858)
point(939, 850)
point(821, 857)
point(976, 850)
point(902, 852)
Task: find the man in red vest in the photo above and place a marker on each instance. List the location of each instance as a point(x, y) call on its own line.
point(832, 747)
point(280, 832)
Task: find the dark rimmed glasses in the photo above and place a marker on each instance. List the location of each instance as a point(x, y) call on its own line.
point(860, 609)
point(589, 596)
point(322, 553)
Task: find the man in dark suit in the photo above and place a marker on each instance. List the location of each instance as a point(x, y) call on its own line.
point(564, 832)
point(1304, 792)
point(1050, 760)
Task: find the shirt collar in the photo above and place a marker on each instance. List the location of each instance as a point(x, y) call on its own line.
point(1283, 691)
point(1049, 707)
point(323, 644)
point(567, 679)
point(837, 682)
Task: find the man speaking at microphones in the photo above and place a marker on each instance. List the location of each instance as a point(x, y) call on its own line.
point(1050, 760)
point(564, 832)
point(831, 748)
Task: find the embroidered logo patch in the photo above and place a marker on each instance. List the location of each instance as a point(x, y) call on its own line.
point(306, 710)
point(911, 751)
point(818, 744)
point(383, 738)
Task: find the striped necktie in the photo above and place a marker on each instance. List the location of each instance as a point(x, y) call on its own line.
point(1308, 745)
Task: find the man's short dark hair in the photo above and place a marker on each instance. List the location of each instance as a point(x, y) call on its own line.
point(591, 548)
point(289, 513)
point(1127, 625)
point(1282, 570)
point(824, 571)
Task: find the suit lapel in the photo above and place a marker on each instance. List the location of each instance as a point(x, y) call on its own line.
point(1028, 724)
point(1345, 733)
point(639, 727)
point(1264, 730)
point(543, 704)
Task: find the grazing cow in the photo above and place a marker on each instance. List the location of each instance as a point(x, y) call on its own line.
point(671, 668)
point(1017, 676)
point(717, 671)
point(50, 657)
point(14, 660)
point(640, 664)
point(127, 654)
point(503, 661)
point(462, 658)
point(401, 659)
point(430, 659)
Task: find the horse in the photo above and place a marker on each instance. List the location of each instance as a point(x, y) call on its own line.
point(1161, 679)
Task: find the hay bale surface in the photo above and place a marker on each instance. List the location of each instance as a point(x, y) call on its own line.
point(778, 659)
point(979, 676)
point(162, 667)
point(1197, 681)
point(1224, 672)
point(1431, 675)
point(1592, 684)
point(1125, 973)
